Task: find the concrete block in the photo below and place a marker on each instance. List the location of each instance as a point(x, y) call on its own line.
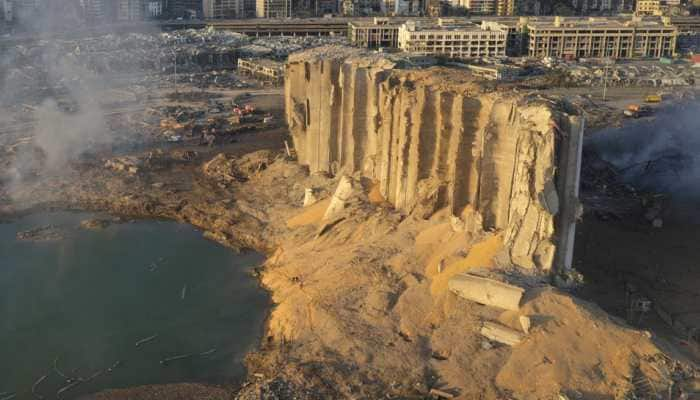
point(486, 291)
point(501, 334)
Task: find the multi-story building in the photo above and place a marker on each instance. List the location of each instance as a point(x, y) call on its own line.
point(94, 10)
point(450, 39)
point(223, 9)
point(516, 43)
point(481, 7)
point(380, 32)
point(130, 10)
point(684, 24)
point(273, 8)
point(359, 7)
point(648, 7)
point(601, 38)
point(505, 7)
point(153, 8)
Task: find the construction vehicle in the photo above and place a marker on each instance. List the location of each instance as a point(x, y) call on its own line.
point(653, 98)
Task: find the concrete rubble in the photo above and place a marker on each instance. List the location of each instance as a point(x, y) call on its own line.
point(487, 291)
point(501, 334)
point(642, 74)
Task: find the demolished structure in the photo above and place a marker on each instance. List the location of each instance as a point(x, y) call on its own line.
point(436, 138)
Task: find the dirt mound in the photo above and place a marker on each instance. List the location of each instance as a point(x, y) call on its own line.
point(576, 348)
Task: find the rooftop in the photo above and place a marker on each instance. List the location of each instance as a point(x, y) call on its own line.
point(593, 23)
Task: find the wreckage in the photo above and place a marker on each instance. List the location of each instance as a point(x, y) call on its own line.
point(435, 138)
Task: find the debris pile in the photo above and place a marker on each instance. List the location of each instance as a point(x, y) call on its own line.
point(643, 74)
point(228, 169)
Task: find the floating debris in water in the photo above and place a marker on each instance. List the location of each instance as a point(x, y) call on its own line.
point(114, 366)
point(146, 340)
point(67, 388)
point(165, 361)
point(208, 352)
point(183, 293)
point(36, 385)
point(67, 378)
point(93, 376)
point(41, 234)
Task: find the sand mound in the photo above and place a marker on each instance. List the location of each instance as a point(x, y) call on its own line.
point(575, 347)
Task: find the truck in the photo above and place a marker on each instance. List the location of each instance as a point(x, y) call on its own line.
point(653, 98)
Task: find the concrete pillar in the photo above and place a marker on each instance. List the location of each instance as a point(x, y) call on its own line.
point(569, 178)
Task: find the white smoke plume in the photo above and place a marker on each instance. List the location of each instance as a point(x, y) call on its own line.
point(50, 71)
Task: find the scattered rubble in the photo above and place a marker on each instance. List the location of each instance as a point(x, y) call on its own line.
point(632, 73)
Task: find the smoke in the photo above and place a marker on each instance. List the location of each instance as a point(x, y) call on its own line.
point(662, 155)
point(56, 74)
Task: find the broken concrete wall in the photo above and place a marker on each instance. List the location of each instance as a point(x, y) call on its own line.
point(494, 152)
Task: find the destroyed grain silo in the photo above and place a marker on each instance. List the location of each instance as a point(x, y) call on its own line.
point(435, 138)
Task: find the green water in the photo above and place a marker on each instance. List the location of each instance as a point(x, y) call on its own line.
point(88, 298)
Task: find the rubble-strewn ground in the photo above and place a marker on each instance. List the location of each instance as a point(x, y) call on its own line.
point(361, 310)
point(362, 306)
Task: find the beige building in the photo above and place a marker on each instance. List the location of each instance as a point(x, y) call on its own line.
point(601, 38)
point(273, 8)
point(482, 7)
point(380, 32)
point(505, 7)
point(648, 7)
point(223, 9)
point(462, 40)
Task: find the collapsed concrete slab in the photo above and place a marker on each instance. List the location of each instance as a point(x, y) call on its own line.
point(501, 334)
point(487, 291)
point(502, 154)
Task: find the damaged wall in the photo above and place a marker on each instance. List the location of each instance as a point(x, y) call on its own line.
point(435, 133)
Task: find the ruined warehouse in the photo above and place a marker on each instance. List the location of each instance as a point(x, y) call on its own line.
point(500, 161)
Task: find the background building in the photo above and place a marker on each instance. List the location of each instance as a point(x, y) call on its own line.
point(505, 7)
point(94, 10)
point(601, 38)
point(223, 8)
point(153, 9)
point(131, 10)
point(648, 7)
point(183, 8)
point(273, 8)
point(380, 32)
point(451, 39)
point(410, 7)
